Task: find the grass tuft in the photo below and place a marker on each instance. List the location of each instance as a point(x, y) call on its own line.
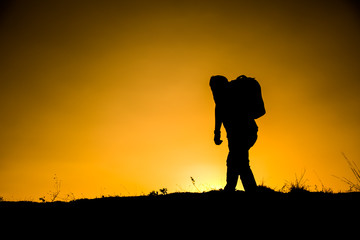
point(353, 186)
point(297, 186)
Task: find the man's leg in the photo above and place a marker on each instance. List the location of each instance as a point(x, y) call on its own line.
point(232, 164)
point(238, 162)
point(246, 175)
point(231, 179)
point(232, 173)
point(247, 178)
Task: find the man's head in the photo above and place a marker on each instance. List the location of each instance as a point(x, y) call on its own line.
point(218, 85)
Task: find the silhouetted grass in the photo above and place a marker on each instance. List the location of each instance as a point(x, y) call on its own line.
point(297, 186)
point(353, 186)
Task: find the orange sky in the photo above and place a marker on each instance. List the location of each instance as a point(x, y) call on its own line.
point(114, 99)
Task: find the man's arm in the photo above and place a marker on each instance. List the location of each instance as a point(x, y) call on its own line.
point(218, 122)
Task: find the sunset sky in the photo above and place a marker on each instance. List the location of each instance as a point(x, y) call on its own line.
point(113, 97)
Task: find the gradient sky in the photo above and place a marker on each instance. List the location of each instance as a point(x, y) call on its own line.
point(112, 97)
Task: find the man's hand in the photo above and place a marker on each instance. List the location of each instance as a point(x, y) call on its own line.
point(217, 139)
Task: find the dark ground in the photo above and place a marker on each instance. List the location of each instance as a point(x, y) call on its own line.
point(189, 214)
point(217, 200)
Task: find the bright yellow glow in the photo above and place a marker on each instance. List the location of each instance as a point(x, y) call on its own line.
point(113, 98)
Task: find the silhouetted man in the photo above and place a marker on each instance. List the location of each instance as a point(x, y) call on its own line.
point(237, 104)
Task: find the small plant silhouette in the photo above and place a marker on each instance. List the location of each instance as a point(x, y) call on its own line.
point(163, 191)
point(297, 186)
point(54, 193)
point(353, 186)
point(153, 193)
point(193, 182)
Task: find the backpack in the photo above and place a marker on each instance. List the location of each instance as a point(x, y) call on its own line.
point(245, 97)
